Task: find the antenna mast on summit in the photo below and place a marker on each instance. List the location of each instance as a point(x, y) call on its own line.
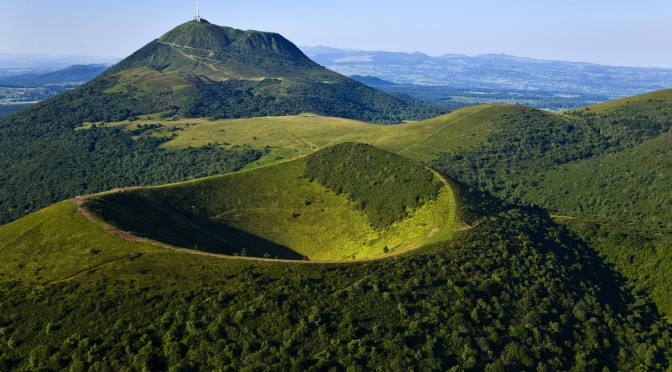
point(198, 12)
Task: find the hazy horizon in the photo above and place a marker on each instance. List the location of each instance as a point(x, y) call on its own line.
point(616, 33)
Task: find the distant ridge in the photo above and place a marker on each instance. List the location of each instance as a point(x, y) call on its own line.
point(371, 80)
point(71, 74)
point(494, 71)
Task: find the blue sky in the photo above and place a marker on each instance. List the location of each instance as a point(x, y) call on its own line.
point(616, 32)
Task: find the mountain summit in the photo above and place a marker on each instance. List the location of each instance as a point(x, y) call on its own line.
point(203, 70)
point(221, 53)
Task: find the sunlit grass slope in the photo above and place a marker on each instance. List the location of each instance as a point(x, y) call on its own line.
point(290, 136)
point(271, 212)
point(56, 243)
point(663, 96)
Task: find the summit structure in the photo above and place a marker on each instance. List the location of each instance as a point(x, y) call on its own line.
point(197, 18)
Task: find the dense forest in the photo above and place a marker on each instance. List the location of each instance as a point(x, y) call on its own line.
point(273, 97)
point(8, 109)
point(353, 168)
point(515, 292)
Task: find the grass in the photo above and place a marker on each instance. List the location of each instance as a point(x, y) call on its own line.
point(607, 107)
point(292, 136)
point(271, 212)
point(56, 243)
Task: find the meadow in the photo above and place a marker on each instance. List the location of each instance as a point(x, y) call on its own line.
point(284, 137)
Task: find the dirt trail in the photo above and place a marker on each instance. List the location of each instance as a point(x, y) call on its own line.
point(192, 57)
point(350, 286)
point(440, 129)
point(86, 271)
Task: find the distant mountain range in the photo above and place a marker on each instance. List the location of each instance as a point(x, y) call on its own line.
point(49, 62)
point(493, 71)
point(71, 74)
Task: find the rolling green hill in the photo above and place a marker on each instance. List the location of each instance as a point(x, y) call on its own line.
point(278, 212)
point(631, 185)
point(135, 278)
point(285, 137)
point(151, 151)
point(516, 291)
point(545, 159)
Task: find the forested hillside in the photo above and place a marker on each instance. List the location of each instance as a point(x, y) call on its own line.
point(608, 165)
point(545, 247)
point(221, 72)
point(515, 292)
point(45, 160)
point(543, 159)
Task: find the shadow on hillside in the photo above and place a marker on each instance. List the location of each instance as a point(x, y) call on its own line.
point(135, 214)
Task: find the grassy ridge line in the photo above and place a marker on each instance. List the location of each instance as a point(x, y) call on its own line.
point(300, 135)
point(286, 137)
point(617, 104)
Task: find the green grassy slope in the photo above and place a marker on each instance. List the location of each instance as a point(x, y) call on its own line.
point(275, 212)
point(516, 291)
point(57, 243)
point(286, 137)
point(664, 96)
